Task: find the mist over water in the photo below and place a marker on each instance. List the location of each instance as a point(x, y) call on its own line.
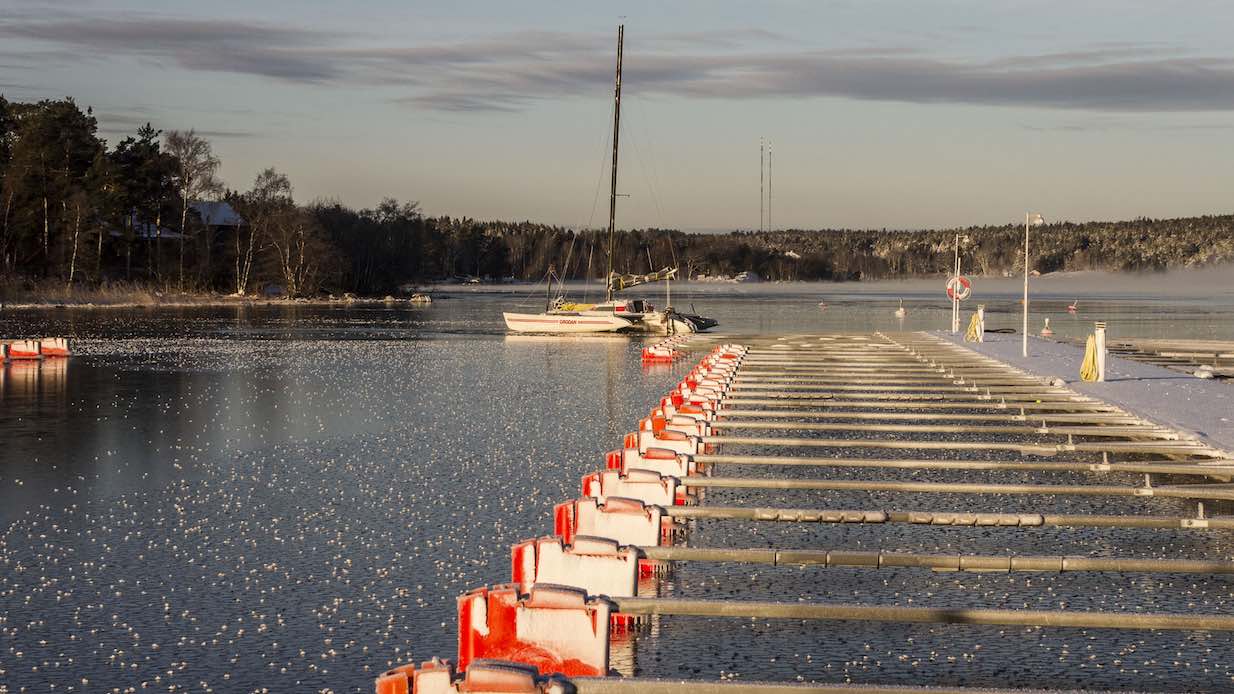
point(292, 497)
point(1179, 304)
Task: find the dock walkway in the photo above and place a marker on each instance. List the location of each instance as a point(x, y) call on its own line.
point(875, 513)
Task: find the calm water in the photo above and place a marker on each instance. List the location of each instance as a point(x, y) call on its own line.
point(292, 498)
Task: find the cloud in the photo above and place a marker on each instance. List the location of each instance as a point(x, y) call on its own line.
point(511, 71)
point(195, 44)
point(125, 122)
point(1107, 125)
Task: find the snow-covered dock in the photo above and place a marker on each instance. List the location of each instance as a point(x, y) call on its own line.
point(1202, 408)
point(704, 522)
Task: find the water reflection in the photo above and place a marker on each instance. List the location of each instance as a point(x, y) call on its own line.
point(25, 381)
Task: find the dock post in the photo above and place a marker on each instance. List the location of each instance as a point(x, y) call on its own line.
point(1101, 352)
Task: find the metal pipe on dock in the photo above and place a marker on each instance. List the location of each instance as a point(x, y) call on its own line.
point(1111, 431)
point(835, 386)
point(924, 615)
point(1094, 418)
point(639, 685)
point(1002, 563)
point(1219, 468)
point(1162, 447)
point(826, 402)
point(1194, 491)
point(989, 397)
point(882, 375)
point(947, 518)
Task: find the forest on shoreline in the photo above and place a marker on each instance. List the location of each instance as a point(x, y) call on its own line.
point(80, 214)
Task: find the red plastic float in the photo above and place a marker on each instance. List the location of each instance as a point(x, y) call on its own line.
point(440, 677)
point(596, 565)
point(556, 629)
point(54, 347)
point(648, 486)
point(23, 349)
point(626, 521)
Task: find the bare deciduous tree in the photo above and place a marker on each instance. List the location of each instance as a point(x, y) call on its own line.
point(260, 207)
point(195, 176)
point(299, 249)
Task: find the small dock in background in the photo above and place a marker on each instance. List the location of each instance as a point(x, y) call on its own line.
point(896, 421)
point(1188, 356)
point(1197, 407)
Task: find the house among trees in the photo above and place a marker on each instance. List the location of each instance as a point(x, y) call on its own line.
point(217, 216)
point(214, 217)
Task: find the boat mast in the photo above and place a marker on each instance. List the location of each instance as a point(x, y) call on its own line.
point(761, 167)
point(612, 197)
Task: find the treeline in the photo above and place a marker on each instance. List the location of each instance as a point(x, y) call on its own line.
point(78, 211)
point(74, 210)
point(1137, 245)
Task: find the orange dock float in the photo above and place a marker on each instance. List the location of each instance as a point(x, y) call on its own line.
point(55, 347)
point(664, 351)
point(23, 350)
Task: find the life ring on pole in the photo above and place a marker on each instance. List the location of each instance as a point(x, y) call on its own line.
point(959, 288)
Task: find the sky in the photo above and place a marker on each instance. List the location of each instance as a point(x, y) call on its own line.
point(880, 114)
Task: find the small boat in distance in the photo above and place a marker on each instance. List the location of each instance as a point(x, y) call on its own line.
point(900, 312)
point(1074, 306)
point(419, 298)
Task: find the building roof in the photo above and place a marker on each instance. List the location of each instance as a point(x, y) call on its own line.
point(217, 214)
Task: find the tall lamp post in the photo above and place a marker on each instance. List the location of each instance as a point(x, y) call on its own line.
point(1030, 220)
point(955, 295)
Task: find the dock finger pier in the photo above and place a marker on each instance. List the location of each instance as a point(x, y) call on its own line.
point(803, 489)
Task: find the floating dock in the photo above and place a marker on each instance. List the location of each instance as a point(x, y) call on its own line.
point(1187, 356)
point(815, 414)
point(33, 350)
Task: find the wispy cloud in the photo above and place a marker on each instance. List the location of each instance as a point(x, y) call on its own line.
point(509, 72)
point(127, 120)
point(1106, 125)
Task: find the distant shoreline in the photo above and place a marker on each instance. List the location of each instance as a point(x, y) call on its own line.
point(1181, 282)
point(190, 301)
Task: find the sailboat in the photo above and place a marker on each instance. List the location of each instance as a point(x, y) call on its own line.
point(610, 316)
point(613, 314)
point(562, 317)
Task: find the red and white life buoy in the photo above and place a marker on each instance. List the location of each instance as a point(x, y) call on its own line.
point(959, 287)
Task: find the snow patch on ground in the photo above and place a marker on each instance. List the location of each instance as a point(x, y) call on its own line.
point(1200, 408)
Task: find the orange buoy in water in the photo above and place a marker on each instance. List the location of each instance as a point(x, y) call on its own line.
point(23, 349)
point(54, 347)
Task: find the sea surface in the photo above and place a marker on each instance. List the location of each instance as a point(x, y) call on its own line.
point(291, 498)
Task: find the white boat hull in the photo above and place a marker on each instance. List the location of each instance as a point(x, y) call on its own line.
point(564, 323)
